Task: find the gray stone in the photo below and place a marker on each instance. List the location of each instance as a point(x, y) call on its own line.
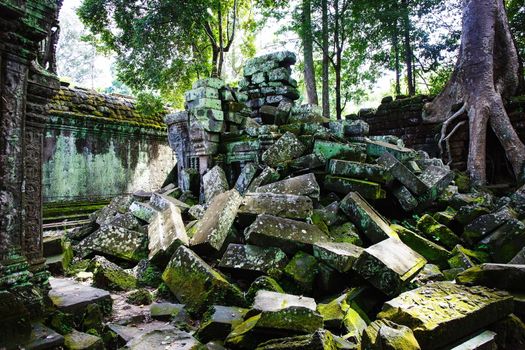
point(320, 340)
point(168, 312)
point(267, 176)
point(212, 229)
point(301, 271)
point(358, 170)
point(387, 335)
point(485, 224)
point(118, 205)
point(289, 235)
point(402, 173)
point(249, 259)
point(340, 256)
point(367, 189)
point(202, 92)
point(355, 127)
point(214, 182)
point(127, 333)
point(42, 338)
point(245, 178)
point(364, 216)
point(389, 265)
point(485, 340)
point(214, 83)
point(171, 338)
point(197, 284)
point(71, 297)
point(285, 149)
point(219, 322)
point(283, 205)
point(303, 185)
point(110, 276)
point(501, 276)
point(407, 201)
point(82, 341)
point(143, 211)
point(519, 258)
point(506, 241)
point(378, 148)
point(441, 313)
point(337, 150)
point(437, 179)
point(308, 162)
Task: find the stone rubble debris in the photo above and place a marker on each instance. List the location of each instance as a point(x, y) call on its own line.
point(285, 230)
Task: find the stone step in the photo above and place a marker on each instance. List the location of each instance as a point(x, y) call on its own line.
point(73, 297)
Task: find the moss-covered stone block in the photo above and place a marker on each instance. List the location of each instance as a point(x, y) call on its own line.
point(340, 256)
point(278, 204)
point(108, 275)
point(336, 150)
point(303, 185)
point(436, 232)
point(358, 170)
point(367, 189)
point(285, 149)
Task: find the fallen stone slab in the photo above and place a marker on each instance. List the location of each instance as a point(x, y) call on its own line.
point(172, 338)
point(336, 150)
point(300, 273)
point(253, 260)
point(519, 258)
point(407, 201)
point(168, 312)
point(501, 276)
point(272, 302)
point(143, 211)
point(338, 314)
point(485, 224)
point(389, 265)
point(402, 173)
point(375, 148)
point(118, 205)
point(212, 229)
point(116, 241)
point(340, 256)
point(285, 149)
point(289, 235)
point(219, 322)
point(69, 296)
point(283, 205)
point(214, 182)
point(128, 333)
point(437, 179)
point(307, 162)
point(110, 276)
point(384, 334)
point(320, 340)
point(431, 251)
point(438, 233)
point(166, 230)
point(197, 284)
point(506, 241)
point(303, 185)
point(441, 313)
point(358, 170)
point(82, 341)
point(367, 189)
point(480, 341)
point(267, 175)
point(245, 178)
point(364, 216)
point(262, 283)
point(43, 337)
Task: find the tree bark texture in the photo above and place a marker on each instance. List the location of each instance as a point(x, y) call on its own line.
point(487, 73)
point(309, 73)
point(408, 49)
point(326, 60)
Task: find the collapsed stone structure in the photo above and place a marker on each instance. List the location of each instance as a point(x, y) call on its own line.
point(286, 231)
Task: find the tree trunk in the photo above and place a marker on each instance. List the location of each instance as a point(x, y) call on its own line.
point(395, 44)
point(486, 73)
point(215, 62)
point(408, 48)
point(338, 107)
point(326, 81)
point(309, 73)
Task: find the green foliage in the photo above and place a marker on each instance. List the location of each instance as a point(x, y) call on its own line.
point(149, 104)
point(516, 15)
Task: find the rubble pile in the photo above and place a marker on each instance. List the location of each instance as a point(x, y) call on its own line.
point(302, 234)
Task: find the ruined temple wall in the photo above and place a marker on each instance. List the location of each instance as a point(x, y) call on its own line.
point(403, 118)
point(98, 146)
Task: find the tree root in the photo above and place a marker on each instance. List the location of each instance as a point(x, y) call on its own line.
point(444, 136)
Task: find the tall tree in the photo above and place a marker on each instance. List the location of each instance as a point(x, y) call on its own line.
point(486, 74)
point(326, 59)
point(308, 52)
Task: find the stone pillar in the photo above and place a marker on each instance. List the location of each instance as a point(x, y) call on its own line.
point(24, 92)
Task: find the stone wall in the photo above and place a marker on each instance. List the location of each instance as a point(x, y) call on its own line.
point(403, 118)
point(97, 146)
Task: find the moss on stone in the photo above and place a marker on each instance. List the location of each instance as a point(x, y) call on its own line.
point(140, 297)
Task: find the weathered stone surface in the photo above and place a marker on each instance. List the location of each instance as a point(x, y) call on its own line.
point(82, 341)
point(283, 205)
point(171, 338)
point(285, 149)
point(519, 258)
point(262, 283)
point(166, 231)
point(214, 182)
point(364, 216)
point(303, 185)
point(506, 241)
point(500, 276)
point(272, 302)
point(219, 322)
point(389, 265)
point(336, 150)
point(289, 235)
point(441, 312)
point(213, 228)
point(346, 233)
point(407, 201)
point(116, 241)
point(214, 83)
point(387, 335)
point(340, 256)
point(301, 271)
point(245, 178)
point(267, 176)
point(253, 259)
point(168, 312)
point(431, 251)
point(487, 223)
point(43, 337)
point(15, 323)
point(358, 170)
point(485, 340)
point(378, 148)
point(367, 189)
point(338, 314)
point(72, 297)
point(320, 340)
point(202, 92)
point(118, 205)
point(142, 211)
point(438, 233)
point(402, 173)
point(198, 285)
point(108, 275)
point(437, 178)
